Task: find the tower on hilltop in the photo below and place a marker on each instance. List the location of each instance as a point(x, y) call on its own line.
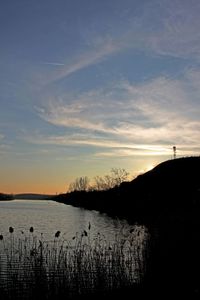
point(174, 152)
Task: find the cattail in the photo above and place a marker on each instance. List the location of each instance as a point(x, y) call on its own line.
point(57, 234)
point(1, 237)
point(33, 252)
point(89, 226)
point(11, 229)
point(31, 229)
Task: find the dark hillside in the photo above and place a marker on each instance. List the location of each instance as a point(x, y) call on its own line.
point(167, 200)
point(177, 174)
point(172, 185)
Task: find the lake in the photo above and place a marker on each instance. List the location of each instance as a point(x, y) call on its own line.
point(47, 217)
point(92, 251)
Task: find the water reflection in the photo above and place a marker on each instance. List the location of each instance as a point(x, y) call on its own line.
point(48, 216)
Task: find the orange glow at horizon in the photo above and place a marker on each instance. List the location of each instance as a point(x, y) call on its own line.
point(34, 189)
point(56, 179)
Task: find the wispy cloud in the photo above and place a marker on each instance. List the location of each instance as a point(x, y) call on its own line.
point(120, 148)
point(4, 147)
point(159, 113)
point(53, 63)
point(168, 28)
point(70, 115)
point(97, 52)
point(174, 29)
point(115, 148)
point(152, 111)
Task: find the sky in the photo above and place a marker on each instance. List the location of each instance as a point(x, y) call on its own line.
point(90, 85)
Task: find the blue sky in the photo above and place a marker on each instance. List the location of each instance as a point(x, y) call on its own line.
point(87, 85)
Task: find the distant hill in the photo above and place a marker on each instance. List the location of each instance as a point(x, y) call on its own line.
point(32, 196)
point(171, 185)
point(5, 197)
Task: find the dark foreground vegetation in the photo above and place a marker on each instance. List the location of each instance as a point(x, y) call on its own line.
point(84, 267)
point(167, 200)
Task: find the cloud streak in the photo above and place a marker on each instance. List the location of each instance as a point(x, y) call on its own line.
point(93, 56)
point(158, 113)
point(181, 36)
point(3, 146)
point(53, 63)
point(114, 148)
point(168, 28)
point(174, 32)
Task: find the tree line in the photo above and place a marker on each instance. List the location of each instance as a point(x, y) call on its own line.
point(100, 183)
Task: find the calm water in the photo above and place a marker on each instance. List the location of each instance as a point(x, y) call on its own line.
point(118, 255)
point(48, 216)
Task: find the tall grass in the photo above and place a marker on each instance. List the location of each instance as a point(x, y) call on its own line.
point(31, 267)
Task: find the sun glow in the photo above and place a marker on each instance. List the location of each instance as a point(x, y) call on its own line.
point(149, 167)
point(146, 169)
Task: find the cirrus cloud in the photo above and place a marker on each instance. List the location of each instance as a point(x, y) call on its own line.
point(158, 112)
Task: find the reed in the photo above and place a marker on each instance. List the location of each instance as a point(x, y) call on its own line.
point(32, 268)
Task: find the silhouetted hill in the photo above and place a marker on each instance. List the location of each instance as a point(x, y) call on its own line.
point(177, 175)
point(33, 196)
point(171, 185)
point(167, 200)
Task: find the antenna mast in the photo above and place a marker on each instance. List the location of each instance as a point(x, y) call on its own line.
point(174, 151)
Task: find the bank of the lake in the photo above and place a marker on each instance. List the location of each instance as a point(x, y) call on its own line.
point(167, 200)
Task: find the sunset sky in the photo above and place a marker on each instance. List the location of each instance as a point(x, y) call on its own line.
point(87, 85)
